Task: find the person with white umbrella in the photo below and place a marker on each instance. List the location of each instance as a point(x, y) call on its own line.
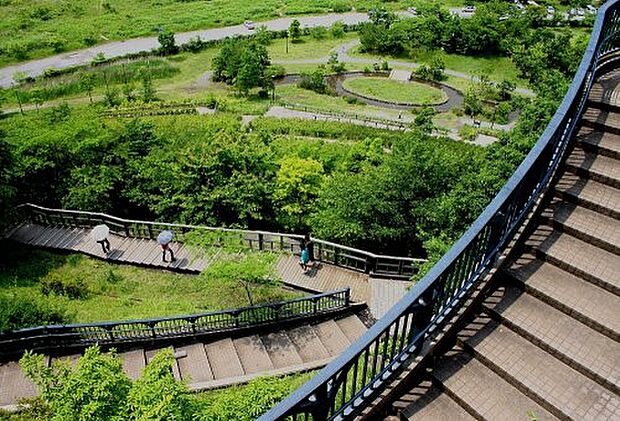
point(164, 239)
point(100, 234)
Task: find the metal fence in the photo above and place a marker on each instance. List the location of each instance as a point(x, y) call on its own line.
point(50, 338)
point(350, 383)
point(324, 251)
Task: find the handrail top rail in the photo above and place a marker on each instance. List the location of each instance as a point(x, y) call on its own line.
point(476, 228)
point(233, 230)
point(148, 321)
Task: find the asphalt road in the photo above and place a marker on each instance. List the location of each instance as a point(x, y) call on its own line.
point(120, 48)
point(135, 45)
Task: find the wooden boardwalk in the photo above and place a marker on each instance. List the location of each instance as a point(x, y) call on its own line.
point(380, 295)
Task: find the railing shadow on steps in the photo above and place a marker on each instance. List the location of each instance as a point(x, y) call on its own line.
point(327, 252)
point(75, 337)
point(350, 383)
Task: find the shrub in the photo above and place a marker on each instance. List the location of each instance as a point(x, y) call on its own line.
point(314, 81)
point(318, 32)
point(54, 283)
point(337, 30)
point(26, 311)
point(468, 133)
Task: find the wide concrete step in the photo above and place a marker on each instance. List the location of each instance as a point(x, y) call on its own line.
point(596, 167)
point(352, 327)
point(591, 305)
point(587, 225)
point(175, 366)
point(308, 344)
point(14, 384)
point(332, 337)
point(590, 194)
point(581, 347)
point(252, 354)
point(430, 403)
point(133, 363)
point(484, 393)
point(223, 358)
point(560, 389)
point(194, 365)
point(585, 260)
point(605, 143)
point(281, 350)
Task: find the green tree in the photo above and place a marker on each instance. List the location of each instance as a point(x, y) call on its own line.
point(294, 31)
point(157, 395)
point(37, 96)
point(87, 82)
point(298, 183)
point(244, 64)
point(167, 43)
point(263, 35)
point(337, 30)
point(96, 389)
point(148, 91)
point(334, 64)
point(424, 120)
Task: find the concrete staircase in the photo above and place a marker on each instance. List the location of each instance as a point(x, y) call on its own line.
point(545, 342)
point(226, 361)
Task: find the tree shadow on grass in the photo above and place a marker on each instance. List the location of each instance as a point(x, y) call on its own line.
point(22, 266)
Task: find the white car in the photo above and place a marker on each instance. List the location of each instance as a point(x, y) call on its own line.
point(413, 11)
point(249, 24)
point(469, 9)
point(591, 9)
point(551, 10)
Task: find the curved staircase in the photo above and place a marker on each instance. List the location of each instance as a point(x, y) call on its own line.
point(545, 342)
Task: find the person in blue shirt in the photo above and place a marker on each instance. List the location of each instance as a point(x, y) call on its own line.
point(305, 255)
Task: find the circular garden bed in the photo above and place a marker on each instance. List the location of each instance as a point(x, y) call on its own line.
point(395, 91)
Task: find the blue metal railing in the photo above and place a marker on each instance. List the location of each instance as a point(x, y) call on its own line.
point(347, 386)
point(116, 333)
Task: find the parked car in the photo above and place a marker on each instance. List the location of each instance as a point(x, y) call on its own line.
point(413, 11)
point(469, 9)
point(550, 10)
point(590, 9)
point(249, 24)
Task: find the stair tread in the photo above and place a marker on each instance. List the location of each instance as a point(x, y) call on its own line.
point(332, 337)
point(594, 163)
point(252, 354)
point(281, 349)
point(307, 343)
point(607, 118)
point(574, 394)
point(133, 363)
point(573, 292)
point(585, 221)
point(485, 391)
point(580, 257)
point(435, 405)
point(598, 194)
point(14, 384)
point(195, 365)
point(585, 346)
point(603, 140)
point(175, 366)
point(223, 359)
point(352, 327)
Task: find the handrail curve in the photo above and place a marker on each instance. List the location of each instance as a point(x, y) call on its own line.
point(346, 386)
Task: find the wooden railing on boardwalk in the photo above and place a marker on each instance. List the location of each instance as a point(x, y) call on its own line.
point(117, 333)
point(325, 251)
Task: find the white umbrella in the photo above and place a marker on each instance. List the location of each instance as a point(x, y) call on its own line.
point(100, 232)
point(164, 237)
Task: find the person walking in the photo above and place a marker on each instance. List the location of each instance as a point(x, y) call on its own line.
point(164, 239)
point(305, 255)
point(100, 235)
point(310, 247)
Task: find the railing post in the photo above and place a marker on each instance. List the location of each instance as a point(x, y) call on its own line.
point(260, 241)
point(347, 297)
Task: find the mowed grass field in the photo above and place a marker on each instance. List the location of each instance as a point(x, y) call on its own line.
point(395, 91)
point(37, 28)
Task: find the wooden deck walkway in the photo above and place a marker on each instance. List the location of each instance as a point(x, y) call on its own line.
point(379, 294)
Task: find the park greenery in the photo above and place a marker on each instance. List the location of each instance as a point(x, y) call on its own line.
point(97, 388)
point(395, 91)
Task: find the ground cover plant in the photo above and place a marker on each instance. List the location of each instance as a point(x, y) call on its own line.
point(395, 91)
point(38, 285)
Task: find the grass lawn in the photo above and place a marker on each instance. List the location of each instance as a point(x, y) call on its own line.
point(31, 29)
point(293, 95)
point(309, 48)
point(498, 68)
point(119, 292)
point(395, 91)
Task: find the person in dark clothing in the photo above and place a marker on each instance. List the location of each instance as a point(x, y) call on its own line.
point(166, 247)
point(310, 247)
point(105, 245)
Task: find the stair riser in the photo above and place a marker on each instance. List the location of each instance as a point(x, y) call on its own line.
point(601, 126)
point(605, 106)
point(600, 149)
point(569, 311)
point(456, 398)
point(582, 172)
point(584, 236)
point(566, 266)
point(514, 382)
point(568, 197)
point(551, 350)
